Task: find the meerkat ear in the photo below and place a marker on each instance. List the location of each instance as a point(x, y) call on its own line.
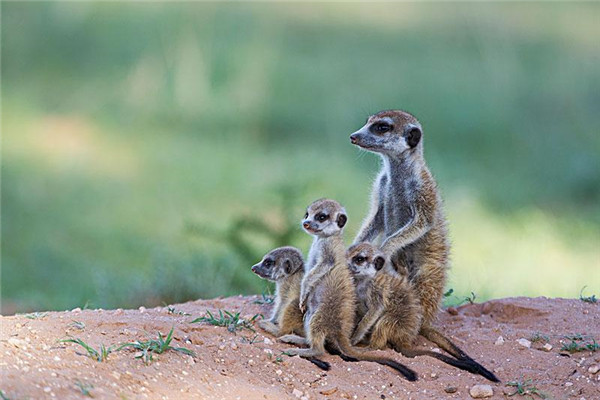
point(341, 220)
point(288, 267)
point(379, 262)
point(413, 136)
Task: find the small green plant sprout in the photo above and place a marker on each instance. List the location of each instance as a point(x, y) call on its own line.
point(471, 298)
point(539, 337)
point(266, 297)
point(84, 388)
point(173, 311)
point(250, 341)
point(449, 292)
point(98, 355)
point(155, 346)
point(578, 342)
point(3, 396)
point(77, 325)
point(526, 388)
point(591, 299)
point(227, 319)
point(36, 315)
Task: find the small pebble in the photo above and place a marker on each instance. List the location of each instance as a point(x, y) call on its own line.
point(450, 389)
point(234, 345)
point(568, 384)
point(222, 347)
point(76, 310)
point(279, 372)
point(547, 347)
point(142, 309)
point(481, 391)
point(524, 342)
point(297, 393)
point(594, 369)
point(486, 308)
point(499, 341)
point(268, 341)
point(47, 389)
point(452, 311)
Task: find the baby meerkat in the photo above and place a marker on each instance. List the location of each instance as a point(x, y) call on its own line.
point(390, 311)
point(406, 213)
point(327, 291)
point(285, 267)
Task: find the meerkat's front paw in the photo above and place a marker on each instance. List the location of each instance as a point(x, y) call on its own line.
point(292, 352)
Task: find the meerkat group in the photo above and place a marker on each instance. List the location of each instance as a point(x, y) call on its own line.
point(386, 288)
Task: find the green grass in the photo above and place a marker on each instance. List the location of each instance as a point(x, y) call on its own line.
point(578, 343)
point(84, 388)
point(150, 347)
point(135, 173)
point(539, 337)
point(265, 298)
point(99, 355)
point(526, 388)
point(588, 299)
point(228, 319)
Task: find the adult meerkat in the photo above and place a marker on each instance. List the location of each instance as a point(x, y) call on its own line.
point(389, 311)
point(285, 267)
point(406, 213)
point(327, 291)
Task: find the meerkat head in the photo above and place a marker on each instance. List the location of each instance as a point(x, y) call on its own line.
point(364, 260)
point(324, 218)
point(389, 132)
point(279, 263)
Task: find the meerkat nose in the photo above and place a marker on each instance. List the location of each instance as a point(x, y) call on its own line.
point(354, 138)
point(254, 268)
point(306, 225)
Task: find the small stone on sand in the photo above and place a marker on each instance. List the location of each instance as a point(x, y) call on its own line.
point(481, 391)
point(499, 341)
point(524, 342)
point(594, 369)
point(547, 347)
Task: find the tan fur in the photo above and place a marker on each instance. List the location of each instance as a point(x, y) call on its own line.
point(330, 294)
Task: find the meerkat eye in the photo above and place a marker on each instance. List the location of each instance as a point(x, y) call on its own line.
point(305, 215)
point(381, 128)
point(267, 263)
point(359, 259)
point(321, 217)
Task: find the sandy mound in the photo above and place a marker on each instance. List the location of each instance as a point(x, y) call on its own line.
point(248, 365)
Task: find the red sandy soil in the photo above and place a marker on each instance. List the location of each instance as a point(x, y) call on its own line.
point(248, 365)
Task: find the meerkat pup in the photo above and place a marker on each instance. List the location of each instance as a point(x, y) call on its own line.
point(406, 213)
point(285, 267)
point(389, 312)
point(327, 291)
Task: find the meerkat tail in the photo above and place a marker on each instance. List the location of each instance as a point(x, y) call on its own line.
point(351, 353)
point(324, 365)
point(446, 344)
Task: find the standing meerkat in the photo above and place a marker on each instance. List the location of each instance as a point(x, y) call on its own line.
point(285, 267)
point(327, 291)
point(406, 213)
point(389, 312)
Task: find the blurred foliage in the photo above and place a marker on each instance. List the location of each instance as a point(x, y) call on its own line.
point(146, 144)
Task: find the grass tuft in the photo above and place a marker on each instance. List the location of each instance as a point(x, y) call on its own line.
point(155, 346)
point(35, 315)
point(173, 311)
point(266, 297)
point(232, 321)
point(526, 388)
point(84, 388)
point(539, 337)
point(591, 299)
point(98, 355)
point(77, 325)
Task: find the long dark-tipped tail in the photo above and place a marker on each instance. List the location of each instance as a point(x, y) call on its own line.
point(350, 353)
point(466, 362)
point(324, 365)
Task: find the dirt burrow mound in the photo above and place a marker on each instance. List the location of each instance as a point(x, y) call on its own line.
point(523, 340)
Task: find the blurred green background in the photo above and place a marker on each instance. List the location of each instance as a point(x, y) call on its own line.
point(153, 152)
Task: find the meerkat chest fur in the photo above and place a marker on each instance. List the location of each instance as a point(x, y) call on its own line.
point(400, 186)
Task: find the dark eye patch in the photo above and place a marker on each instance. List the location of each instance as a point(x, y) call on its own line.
point(358, 259)
point(321, 217)
point(305, 215)
point(380, 128)
point(268, 262)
